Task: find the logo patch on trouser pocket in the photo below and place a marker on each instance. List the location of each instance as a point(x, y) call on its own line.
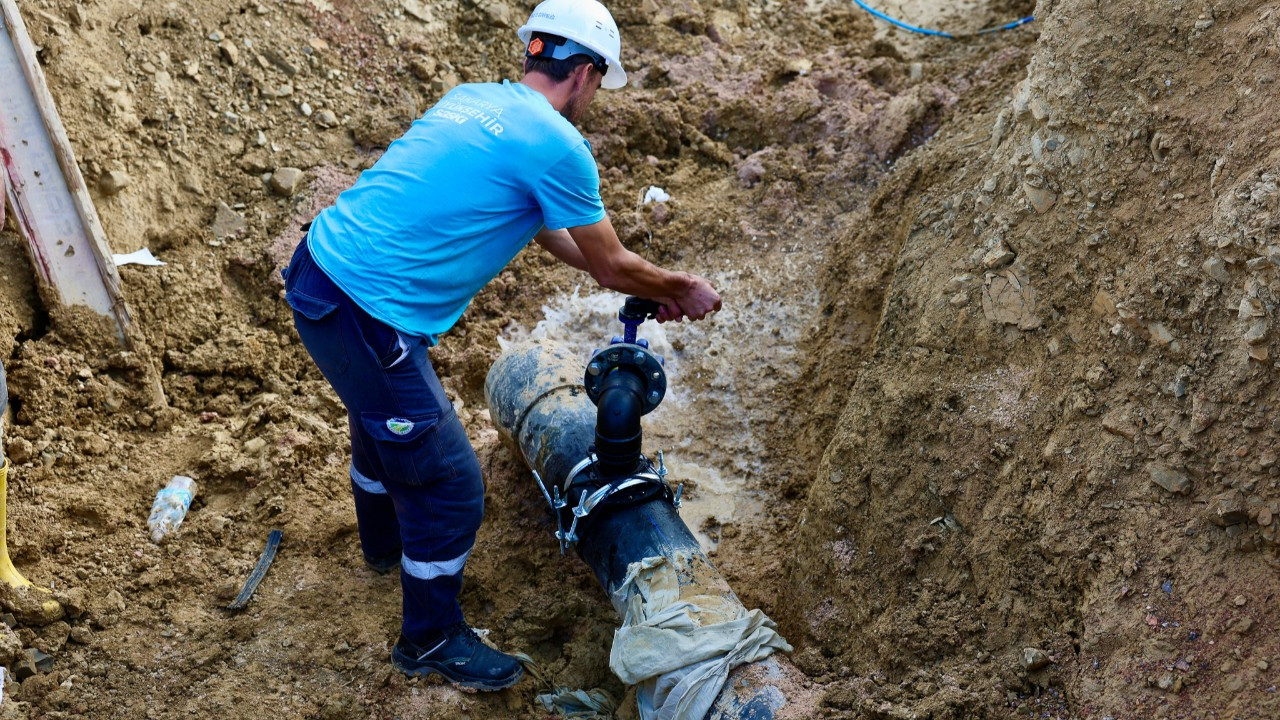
point(400, 426)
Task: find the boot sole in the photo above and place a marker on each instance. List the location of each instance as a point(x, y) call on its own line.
point(481, 685)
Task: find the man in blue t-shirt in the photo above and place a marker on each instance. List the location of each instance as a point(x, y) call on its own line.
point(394, 263)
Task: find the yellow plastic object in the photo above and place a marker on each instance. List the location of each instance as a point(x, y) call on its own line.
point(8, 573)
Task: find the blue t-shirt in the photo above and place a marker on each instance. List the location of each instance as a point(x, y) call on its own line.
point(452, 202)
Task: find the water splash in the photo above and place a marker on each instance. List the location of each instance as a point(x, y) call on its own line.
point(719, 375)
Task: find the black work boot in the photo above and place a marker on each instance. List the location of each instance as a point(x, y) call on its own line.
point(460, 656)
point(383, 565)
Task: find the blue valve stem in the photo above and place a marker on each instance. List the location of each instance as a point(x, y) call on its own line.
point(629, 332)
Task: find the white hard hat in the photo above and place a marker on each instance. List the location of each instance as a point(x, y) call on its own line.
point(586, 22)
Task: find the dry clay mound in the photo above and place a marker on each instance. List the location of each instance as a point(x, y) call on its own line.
point(1055, 484)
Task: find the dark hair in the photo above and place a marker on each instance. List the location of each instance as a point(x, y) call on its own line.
point(558, 70)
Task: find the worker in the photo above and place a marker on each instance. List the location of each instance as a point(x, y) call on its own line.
point(394, 262)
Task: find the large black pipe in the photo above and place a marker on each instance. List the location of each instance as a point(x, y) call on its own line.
point(539, 406)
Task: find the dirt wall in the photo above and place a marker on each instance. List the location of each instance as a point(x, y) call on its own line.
point(1054, 487)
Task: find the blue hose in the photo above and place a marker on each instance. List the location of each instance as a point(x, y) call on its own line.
point(941, 33)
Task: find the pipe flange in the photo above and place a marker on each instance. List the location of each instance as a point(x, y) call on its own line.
point(638, 359)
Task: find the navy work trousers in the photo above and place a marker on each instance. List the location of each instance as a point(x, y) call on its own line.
point(416, 480)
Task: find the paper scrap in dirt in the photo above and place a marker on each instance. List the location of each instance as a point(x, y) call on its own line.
point(137, 257)
point(656, 194)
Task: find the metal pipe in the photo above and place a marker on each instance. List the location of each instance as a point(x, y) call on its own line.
point(540, 408)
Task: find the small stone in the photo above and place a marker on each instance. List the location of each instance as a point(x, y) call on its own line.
point(798, 66)
point(229, 52)
point(1241, 626)
point(1215, 268)
point(1262, 665)
point(254, 446)
point(1228, 509)
point(1204, 414)
point(1041, 198)
point(1273, 254)
point(1257, 333)
point(285, 181)
point(1257, 263)
point(751, 172)
point(21, 450)
point(81, 635)
point(1251, 307)
point(1239, 601)
point(960, 282)
point(9, 620)
point(227, 223)
point(10, 647)
point(1103, 304)
point(92, 444)
point(215, 36)
point(915, 71)
point(1160, 334)
point(73, 601)
point(43, 661)
point(1259, 353)
point(305, 109)
point(113, 181)
point(1034, 659)
point(53, 637)
point(1169, 479)
point(1264, 517)
point(998, 257)
point(1098, 377)
point(326, 119)
point(1118, 423)
point(25, 666)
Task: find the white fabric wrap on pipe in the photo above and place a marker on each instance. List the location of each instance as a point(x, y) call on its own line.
point(679, 649)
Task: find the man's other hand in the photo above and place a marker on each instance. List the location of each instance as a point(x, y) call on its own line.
point(696, 302)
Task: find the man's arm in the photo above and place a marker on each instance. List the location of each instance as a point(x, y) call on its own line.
point(561, 245)
point(617, 268)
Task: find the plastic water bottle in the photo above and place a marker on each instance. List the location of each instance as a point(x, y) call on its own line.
point(170, 507)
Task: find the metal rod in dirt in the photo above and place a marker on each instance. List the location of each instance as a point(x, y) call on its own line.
point(259, 571)
point(539, 406)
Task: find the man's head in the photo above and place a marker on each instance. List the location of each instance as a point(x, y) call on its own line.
point(566, 61)
point(578, 32)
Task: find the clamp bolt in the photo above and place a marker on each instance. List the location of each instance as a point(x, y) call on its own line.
point(654, 397)
point(594, 368)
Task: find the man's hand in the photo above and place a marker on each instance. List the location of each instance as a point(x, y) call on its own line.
point(700, 300)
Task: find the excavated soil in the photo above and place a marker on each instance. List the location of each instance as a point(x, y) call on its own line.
point(988, 423)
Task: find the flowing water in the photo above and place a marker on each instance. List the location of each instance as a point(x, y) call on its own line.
point(707, 425)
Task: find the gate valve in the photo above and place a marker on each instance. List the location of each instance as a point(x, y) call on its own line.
point(630, 352)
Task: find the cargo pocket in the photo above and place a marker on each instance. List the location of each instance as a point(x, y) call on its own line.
point(408, 447)
point(319, 327)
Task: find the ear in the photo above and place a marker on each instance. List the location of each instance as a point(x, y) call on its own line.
point(582, 75)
